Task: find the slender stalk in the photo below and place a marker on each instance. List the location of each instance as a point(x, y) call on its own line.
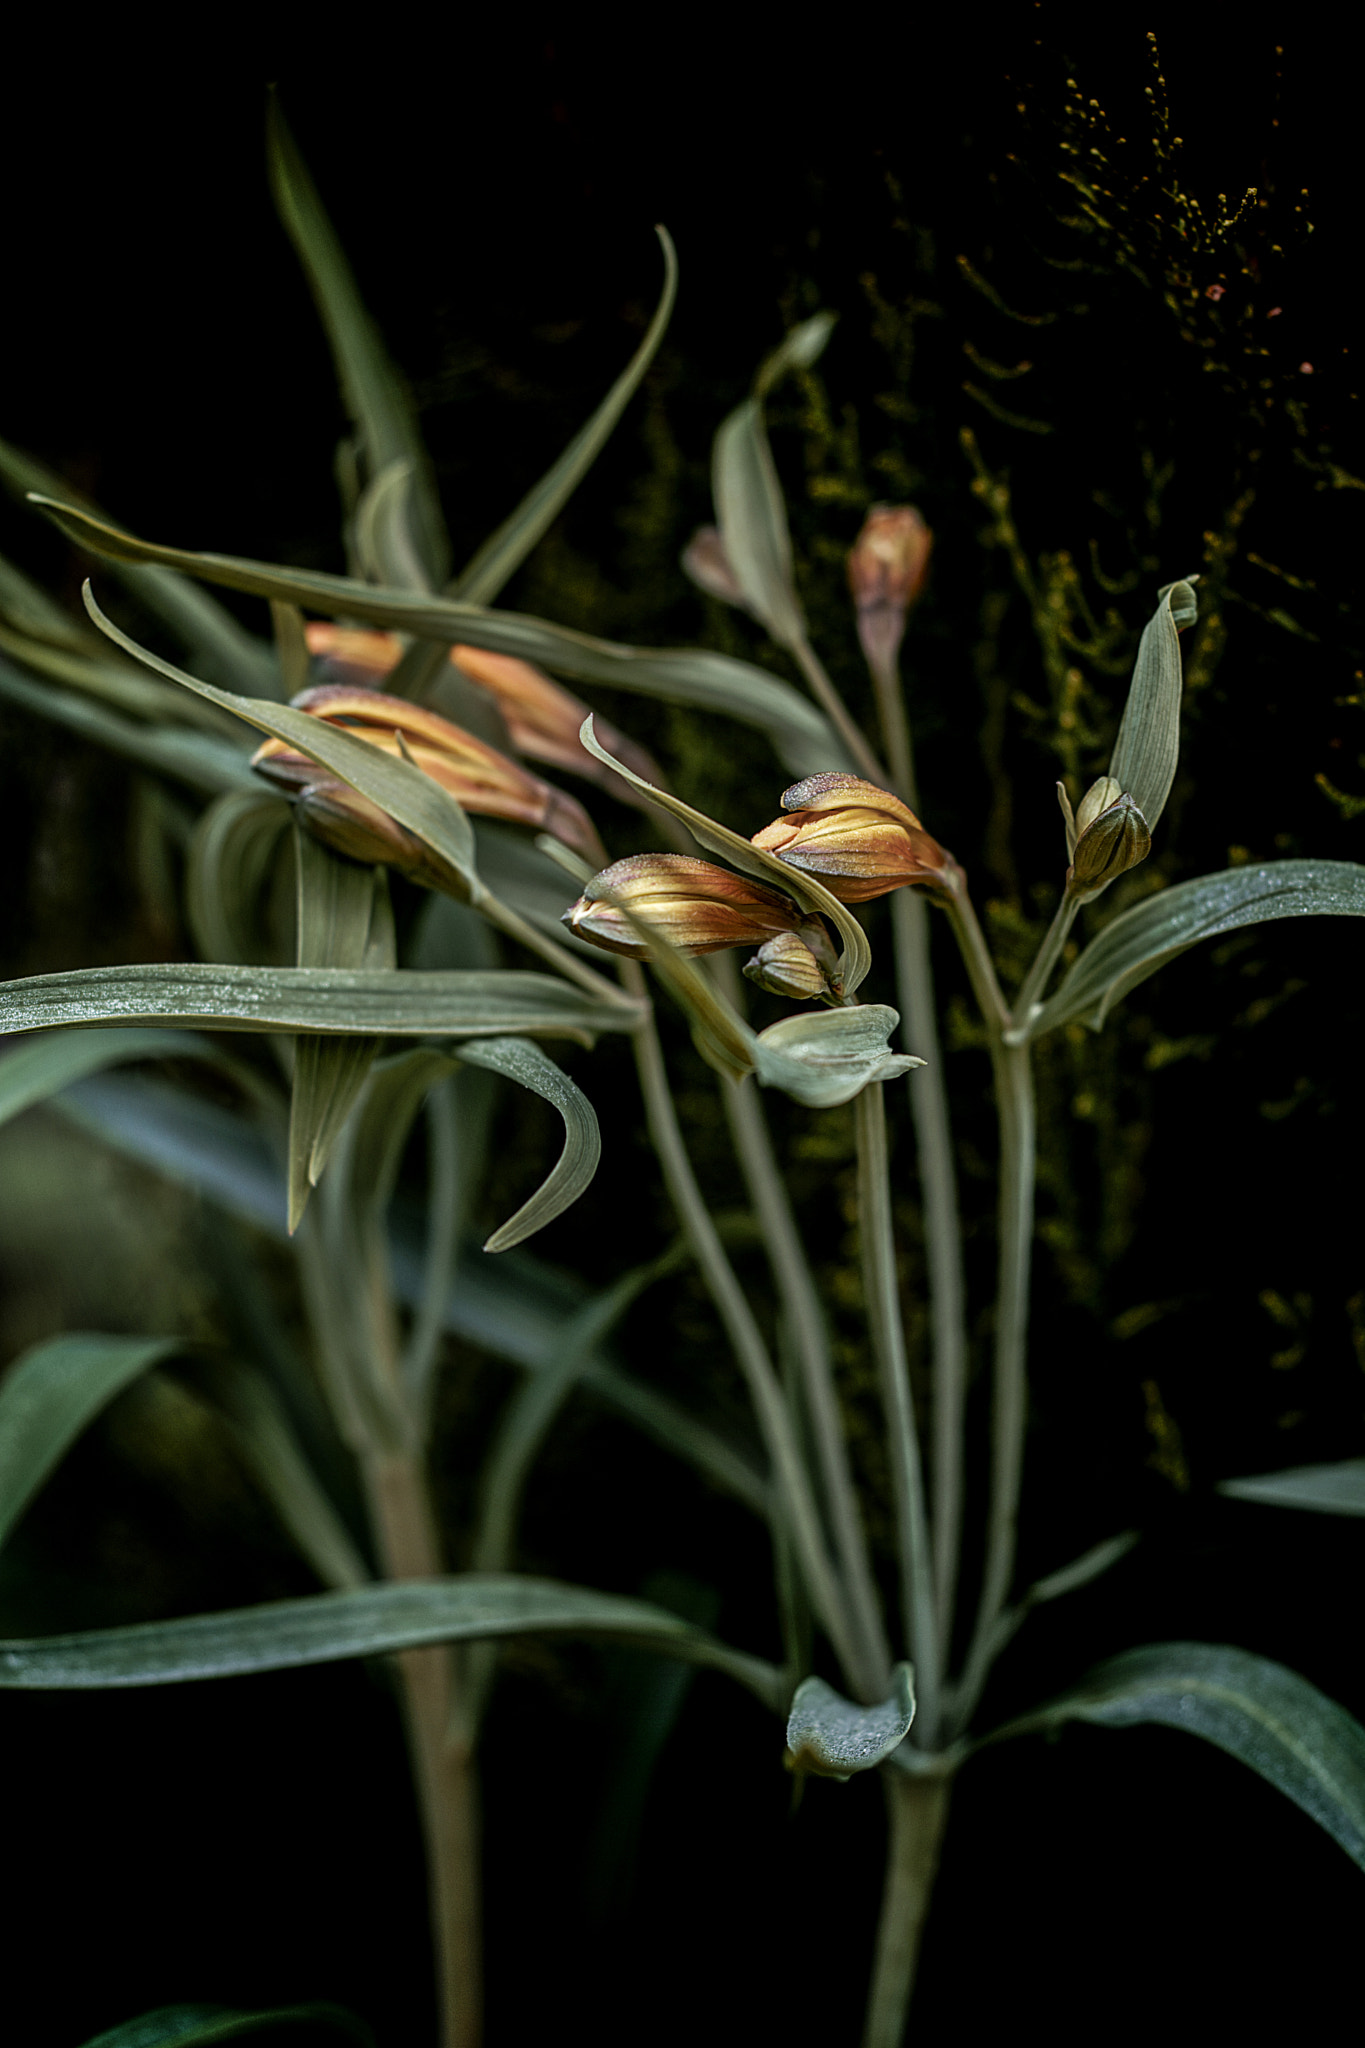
point(943, 1244)
point(442, 1758)
point(1014, 1087)
point(888, 1345)
point(834, 708)
point(559, 957)
point(937, 1174)
point(444, 1209)
point(810, 1342)
point(1046, 958)
point(916, 1811)
point(773, 1415)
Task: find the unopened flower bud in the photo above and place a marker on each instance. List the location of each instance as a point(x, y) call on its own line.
point(860, 841)
point(1107, 846)
point(705, 561)
point(696, 907)
point(799, 964)
point(887, 566)
point(479, 778)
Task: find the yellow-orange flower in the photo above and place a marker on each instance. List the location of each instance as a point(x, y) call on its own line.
point(481, 779)
point(697, 907)
point(887, 565)
point(860, 841)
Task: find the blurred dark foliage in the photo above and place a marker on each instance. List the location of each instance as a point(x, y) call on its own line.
point(1199, 1306)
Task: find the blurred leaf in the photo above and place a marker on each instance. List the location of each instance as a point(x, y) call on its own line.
point(516, 1059)
point(344, 920)
point(800, 733)
point(1329, 1489)
point(196, 758)
point(227, 998)
point(33, 1072)
point(414, 799)
point(832, 1738)
point(49, 1396)
point(383, 529)
point(502, 554)
point(374, 394)
point(119, 684)
point(1269, 1718)
point(752, 518)
point(1148, 744)
point(812, 895)
point(198, 621)
point(272, 1453)
point(402, 1615)
point(198, 2026)
point(1162, 926)
point(232, 853)
point(800, 349)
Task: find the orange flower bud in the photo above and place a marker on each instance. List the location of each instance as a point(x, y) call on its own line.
point(788, 965)
point(480, 778)
point(887, 565)
point(697, 907)
point(860, 841)
point(542, 719)
point(1107, 845)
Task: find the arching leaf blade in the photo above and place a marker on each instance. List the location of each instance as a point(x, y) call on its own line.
point(517, 1059)
point(51, 1394)
point(1148, 743)
point(832, 1737)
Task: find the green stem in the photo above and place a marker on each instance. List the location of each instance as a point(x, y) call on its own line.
point(916, 1812)
point(559, 957)
point(888, 1345)
point(943, 1243)
point(773, 1415)
point(810, 1341)
point(1046, 958)
point(1014, 1086)
point(834, 708)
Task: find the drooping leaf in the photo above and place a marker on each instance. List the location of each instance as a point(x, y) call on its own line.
point(1269, 1718)
point(517, 1059)
point(1162, 926)
point(831, 1737)
point(373, 391)
point(414, 799)
point(1148, 744)
point(401, 1615)
point(225, 998)
point(51, 1394)
point(802, 736)
point(502, 554)
point(1327, 1489)
point(201, 2026)
point(232, 853)
point(197, 759)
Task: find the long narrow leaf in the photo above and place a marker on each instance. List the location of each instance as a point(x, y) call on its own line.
point(226, 998)
point(34, 1072)
point(364, 1623)
point(1326, 1489)
point(800, 733)
point(198, 759)
point(51, 1394)
point(204, 2026)
point(1156, 930)
point(517, 1059)
point(1269, 1718)
point(506, 549)
point(1148, 744)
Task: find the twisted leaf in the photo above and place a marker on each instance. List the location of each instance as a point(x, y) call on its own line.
point(832, 1738)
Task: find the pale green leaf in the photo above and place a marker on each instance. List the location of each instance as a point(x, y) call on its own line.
point(517, 1059)
point(228, 998)
point(1269, 1718)
point(825, 1057)
point(233, 852)
point(374, 393)
point(800, 733)
point(271, 1451)
point(202, 2026)
point(1328, 1489)
point(752, 518)
point(832, 1737)
point(32, 1073)
point(402, 1615)
point(199, 759)
point(800, 349)
point(1162, 926)
point(507, 548)
point(51, 1394)
point(1148, 744)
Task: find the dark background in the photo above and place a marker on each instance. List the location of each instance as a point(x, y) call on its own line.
point(254, 1841)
